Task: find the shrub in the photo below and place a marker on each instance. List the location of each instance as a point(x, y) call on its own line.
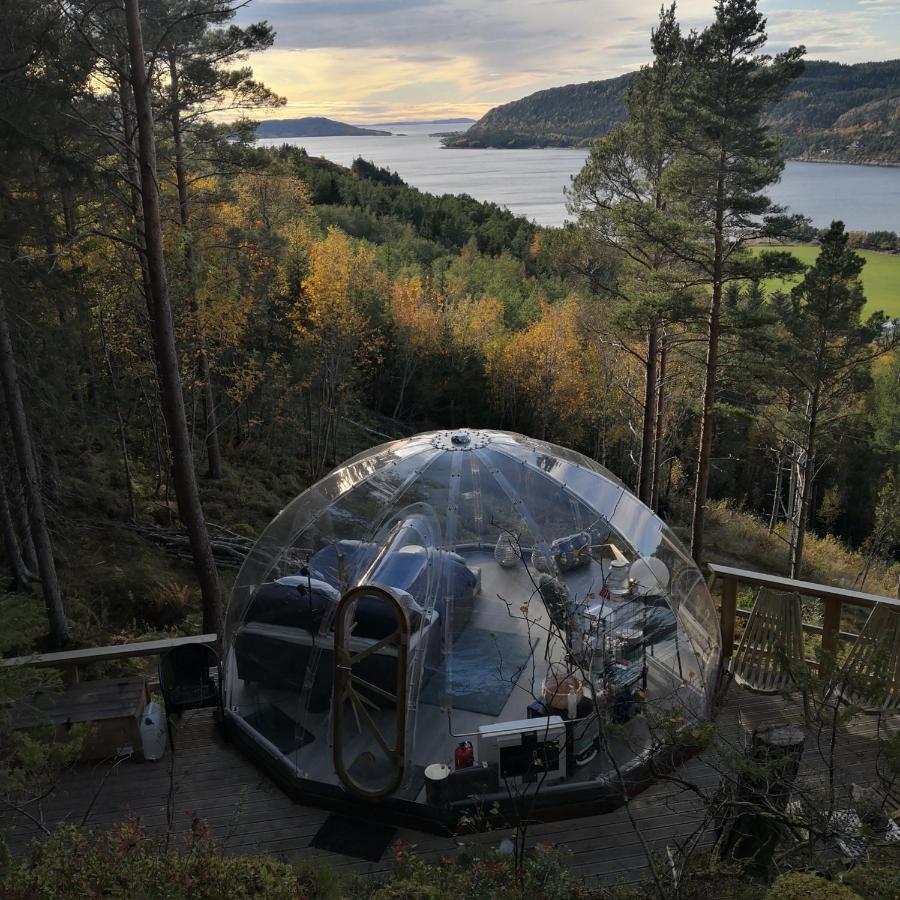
point(129, 863)
point(804, 886)
point(168, 603)
point(875, 882)
point(487, 876)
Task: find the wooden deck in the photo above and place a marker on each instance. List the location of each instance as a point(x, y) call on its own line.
point(249, 814)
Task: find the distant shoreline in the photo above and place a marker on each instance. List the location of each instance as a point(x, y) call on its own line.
point(586, 147)
point(845, 162)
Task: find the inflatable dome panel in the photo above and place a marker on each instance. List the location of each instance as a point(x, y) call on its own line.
point(460, 618)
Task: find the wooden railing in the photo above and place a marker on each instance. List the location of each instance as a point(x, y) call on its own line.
point(833, 599)
point(70, 660)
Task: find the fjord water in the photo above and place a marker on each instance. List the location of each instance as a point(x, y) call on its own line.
point(530, 182)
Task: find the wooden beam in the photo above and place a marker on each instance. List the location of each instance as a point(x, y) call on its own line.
point(68, 659)
point(616, 552)
point(831, 626)
point(807, 588)
point(729, 608)
point(812, 629)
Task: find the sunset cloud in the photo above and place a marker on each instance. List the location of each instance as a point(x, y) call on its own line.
point(366, 61)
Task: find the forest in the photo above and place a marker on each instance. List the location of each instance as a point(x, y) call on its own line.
point(194, 329)
point(179, 362)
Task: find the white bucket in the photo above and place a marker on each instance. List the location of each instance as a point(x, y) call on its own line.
point(153, 731)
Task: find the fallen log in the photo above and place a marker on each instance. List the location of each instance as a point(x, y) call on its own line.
point(229, 549)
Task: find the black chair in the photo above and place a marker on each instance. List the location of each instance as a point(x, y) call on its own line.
point(185, 680)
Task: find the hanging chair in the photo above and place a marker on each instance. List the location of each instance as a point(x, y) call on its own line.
point(772, 644)
point(870, 676)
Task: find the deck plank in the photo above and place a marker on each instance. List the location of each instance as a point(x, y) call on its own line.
point(249, 814)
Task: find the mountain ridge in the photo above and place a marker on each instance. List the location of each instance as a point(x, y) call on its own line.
point(833, 112)
point(311, 126)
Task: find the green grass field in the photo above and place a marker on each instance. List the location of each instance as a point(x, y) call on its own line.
point(880, 277)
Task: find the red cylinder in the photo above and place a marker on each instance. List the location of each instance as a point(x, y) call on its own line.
point(464, 757)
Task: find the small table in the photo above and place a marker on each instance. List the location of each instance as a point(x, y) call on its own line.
point(112, 706)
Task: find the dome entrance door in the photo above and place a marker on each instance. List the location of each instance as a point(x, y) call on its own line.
point(369, 699)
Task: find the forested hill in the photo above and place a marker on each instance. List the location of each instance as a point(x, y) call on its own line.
point(833, 112)
point(310, 126)
point(559, 117)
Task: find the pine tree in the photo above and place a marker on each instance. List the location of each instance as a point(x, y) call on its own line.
point(621, 200)
point(726, 157)
point(163, 333)
point(200, 53)
point(824, 364)
point(31, 481)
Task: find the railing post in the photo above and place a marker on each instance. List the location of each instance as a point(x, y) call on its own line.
point(728, 612)
point(831, 627)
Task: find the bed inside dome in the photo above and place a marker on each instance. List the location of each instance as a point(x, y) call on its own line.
point(465, 620)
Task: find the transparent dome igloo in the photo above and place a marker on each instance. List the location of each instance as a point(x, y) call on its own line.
point(465, 619)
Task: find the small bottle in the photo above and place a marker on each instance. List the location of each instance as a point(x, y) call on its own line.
point(464, 757)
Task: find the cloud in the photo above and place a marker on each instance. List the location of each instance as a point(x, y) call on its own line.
point(846, 35)
point(436, 57)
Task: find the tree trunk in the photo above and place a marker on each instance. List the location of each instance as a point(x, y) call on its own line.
point(21, 575)
point(21, 436)
point(704, 455)
point(409, 368)
point(795, 488)
point(805, 492)
point(130, 153)
point(645, 467)
point(659, 426)
point(701, 484)
point(120, 422)
point(776, 499)
point(15, 497)
point(213, 451)
point(163, 333)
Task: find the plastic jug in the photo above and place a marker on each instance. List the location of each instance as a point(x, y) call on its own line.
point(153, 731)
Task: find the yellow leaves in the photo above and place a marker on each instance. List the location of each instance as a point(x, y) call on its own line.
point(269, 201)
point(340, 292)
point(475, 325)
point(416, 315)
point(547, 362)
point(340, 275)
point(243, 380)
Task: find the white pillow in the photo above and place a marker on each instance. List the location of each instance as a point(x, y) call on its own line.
point(313, 585)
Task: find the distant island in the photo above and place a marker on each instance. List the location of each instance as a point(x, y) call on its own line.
point(310, 126)
point(833, 113)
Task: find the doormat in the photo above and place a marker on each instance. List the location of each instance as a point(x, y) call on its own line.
point(359, 838)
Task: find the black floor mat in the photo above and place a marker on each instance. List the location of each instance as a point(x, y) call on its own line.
point(278, 728)
point(354, 837)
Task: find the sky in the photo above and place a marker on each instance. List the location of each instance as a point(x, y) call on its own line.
point(370, 61)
